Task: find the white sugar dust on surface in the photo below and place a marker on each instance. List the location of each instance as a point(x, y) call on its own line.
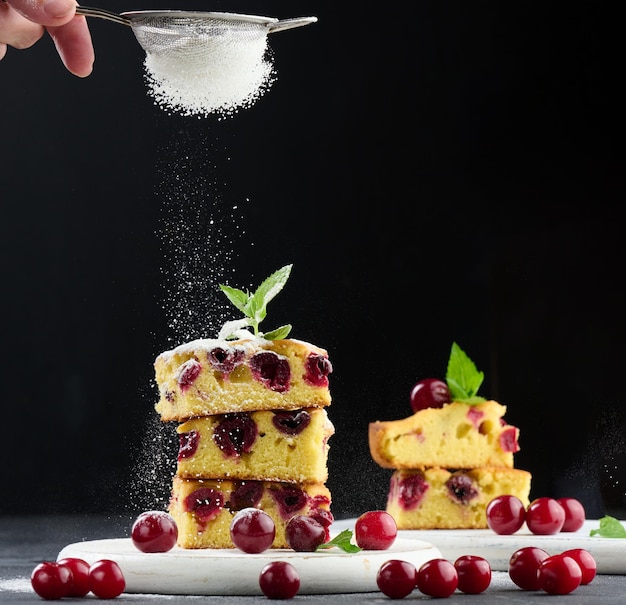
point(213, 76)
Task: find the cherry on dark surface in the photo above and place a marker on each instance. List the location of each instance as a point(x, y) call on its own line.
point(304, 533)
point(279, 580)
point(80, 575)
point(246, 494)
point(106, 579)
point(188, 372)
point(235, 434)
point(317, 368)
point(291, 422)
point(271, 370)
point(252, 530)
point(523, 566)
point(461, 488)
point(474, 574)
point(51, 581)
point(396, 578)
point(437, 578)
point(206, 503)
point(187, 444)
point(586, 562)
point(429, 393)
point(559, 574)
point(154, 531)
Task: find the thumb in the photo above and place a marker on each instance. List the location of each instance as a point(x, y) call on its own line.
point(45, 12)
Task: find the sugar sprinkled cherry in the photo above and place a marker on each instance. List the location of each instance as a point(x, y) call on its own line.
point(437, 578)
point(154, 531)
point(523, 566)
point(80, 575)
point(574, 514)
point(505, 514)
point(474, 574)
point(252, 530)
point(106, 579)
point(559, 574)
point(545, 516)
point(429, 393)
point(586, 562)
point(279, 580)
point(304, 533)
point(396, 578)
point(51, 581)
point(375, 530)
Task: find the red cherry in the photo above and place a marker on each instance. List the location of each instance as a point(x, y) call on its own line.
point(279, 580)
point(474, 574)
point(437, 578)
point(559, 574)
point(523, 566)
point(585, 561)
point(106, 579)
point(574, 514)
point(51, 581)
point(252, 530)
point(429, 393)
point(80, 576)
point(375, 530)
point(304, 533)
point(545, 516)
point(396, 578)
point(505, 514)
point(154, 531)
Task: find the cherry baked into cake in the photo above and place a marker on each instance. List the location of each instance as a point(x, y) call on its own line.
point(251, 417)
point(452, 456)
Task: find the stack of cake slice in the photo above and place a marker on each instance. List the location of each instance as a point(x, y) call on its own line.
point(448, 463)
point(253, 432)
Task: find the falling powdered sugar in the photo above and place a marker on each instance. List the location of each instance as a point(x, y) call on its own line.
point(213, 72)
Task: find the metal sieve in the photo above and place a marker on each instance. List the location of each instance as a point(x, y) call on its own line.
point(162, 31)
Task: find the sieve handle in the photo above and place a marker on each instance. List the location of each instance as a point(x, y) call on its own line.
point(88, 11)
point(284, 24)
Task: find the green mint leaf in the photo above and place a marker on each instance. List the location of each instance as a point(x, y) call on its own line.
point(254, 306)
point(343, 541)
point(463, 377)
point(278, 333)
point(610, 527)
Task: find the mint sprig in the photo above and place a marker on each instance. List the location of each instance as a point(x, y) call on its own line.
point(463, 378)
point(610, 527)
point(342, 540)
point(254, 307)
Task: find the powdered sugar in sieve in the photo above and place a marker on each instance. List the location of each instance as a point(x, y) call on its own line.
point(199, 63)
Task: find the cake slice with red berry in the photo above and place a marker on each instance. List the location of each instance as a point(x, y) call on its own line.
point(219, 376)
point(277, 445)
point(451, 456)
point(204, 509)
point(456, 435)
point(438, 498)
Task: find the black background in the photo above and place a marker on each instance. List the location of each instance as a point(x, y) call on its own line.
point(436, 172)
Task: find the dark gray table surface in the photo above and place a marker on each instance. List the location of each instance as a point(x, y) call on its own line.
point(26, 541)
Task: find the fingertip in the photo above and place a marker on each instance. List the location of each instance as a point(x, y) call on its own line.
point(59, 9)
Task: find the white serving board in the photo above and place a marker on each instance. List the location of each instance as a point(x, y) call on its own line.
point(233, 572)
point(609, 553)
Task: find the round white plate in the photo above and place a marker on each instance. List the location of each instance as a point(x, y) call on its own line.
point(232, 572)
point(609, 553)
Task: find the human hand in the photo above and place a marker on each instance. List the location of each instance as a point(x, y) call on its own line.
point(24, 22)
